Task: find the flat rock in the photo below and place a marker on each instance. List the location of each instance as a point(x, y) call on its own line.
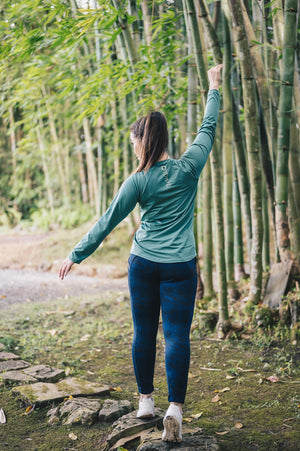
point(45, 373)
point(8, 356)
point(129, 425)
point(76, 411)
point(191, 441)
point(9, 365)
point(16, 376)
point(43, 392)
point(113, 409)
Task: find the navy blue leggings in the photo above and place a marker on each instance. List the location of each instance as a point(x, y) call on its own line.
point(171, 287)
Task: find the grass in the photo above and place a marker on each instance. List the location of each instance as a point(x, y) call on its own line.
point(93, 341)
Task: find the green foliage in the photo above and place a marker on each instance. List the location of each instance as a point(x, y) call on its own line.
point(66, 218)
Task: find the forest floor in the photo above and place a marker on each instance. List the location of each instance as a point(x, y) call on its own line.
point(228, 380)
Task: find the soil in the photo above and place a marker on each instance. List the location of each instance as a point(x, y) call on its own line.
point(25, 274)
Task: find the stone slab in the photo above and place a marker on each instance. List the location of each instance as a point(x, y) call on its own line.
point(45, 373)
point(43, 392)
point(277, 284)
point(76, 411)
point(16, 376)
point(9, 365)
point(194, 443)
point(8, 356)
point(129, 425)
point(113, 409)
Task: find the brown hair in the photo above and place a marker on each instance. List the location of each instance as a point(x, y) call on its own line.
point(152, 131)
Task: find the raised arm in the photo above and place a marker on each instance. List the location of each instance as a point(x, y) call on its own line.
point(121, 206)
point(197, 153)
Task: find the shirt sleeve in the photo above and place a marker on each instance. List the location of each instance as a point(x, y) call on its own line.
point(197, 153)
point(123, 203)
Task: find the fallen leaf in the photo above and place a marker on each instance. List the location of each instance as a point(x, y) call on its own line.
point(197, 415)
point(52, 332)
point(72, 436)
point(230, 377)
point(224, 390)
point(222, 433)
point(216, 391)
point(215, 398)
point(2, 416)
point(28, 410)
point(272, 379)
point(238, 425)
point(115, 389)
point(85, 337)
point(67, 371)
point(187, 420)
point(3, 296)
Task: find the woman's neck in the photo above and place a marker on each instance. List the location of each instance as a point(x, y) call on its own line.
point(164, 156)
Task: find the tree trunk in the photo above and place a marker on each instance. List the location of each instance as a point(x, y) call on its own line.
point(223, 323)
point(82, 176)
point(285, 106)
point(253, 149)
point(227, 151)
point(45, 167)
point(91, 168)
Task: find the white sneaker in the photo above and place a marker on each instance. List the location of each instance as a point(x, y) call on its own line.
point(146, 408)
point(172, 424)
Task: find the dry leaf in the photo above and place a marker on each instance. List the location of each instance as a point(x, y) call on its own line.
point(52, 332)
point(215, 398)
point(197, 415)
point(272, 379)
point(224, 390)
point(222, 433)
point(3, 296)
point(187, 420)
point(2, 416)
point(230, 377)
point(115, 389)
point(67, 371)
point(72, 436)
point(238, 425)
point(85, 337)
point(29, 408)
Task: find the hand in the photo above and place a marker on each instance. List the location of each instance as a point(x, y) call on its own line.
point(214, 76)
point(65, 268)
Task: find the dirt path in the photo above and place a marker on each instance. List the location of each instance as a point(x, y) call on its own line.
point(28, 272)
point(24, 286)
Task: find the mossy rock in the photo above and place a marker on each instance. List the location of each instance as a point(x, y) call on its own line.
point(208, 320)
point(263, 317)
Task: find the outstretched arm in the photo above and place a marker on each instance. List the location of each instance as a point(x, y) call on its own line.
point(197, 153)
point(121, 206)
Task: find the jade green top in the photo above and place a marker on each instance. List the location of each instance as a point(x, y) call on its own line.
point(166, 195)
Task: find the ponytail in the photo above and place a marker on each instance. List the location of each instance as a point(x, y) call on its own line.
point(152, 131)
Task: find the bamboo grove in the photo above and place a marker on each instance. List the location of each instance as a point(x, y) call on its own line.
point(75, 75)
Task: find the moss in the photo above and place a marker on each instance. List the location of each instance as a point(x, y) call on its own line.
point(261, 406)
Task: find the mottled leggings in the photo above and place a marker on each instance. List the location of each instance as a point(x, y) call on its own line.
point(171, 287)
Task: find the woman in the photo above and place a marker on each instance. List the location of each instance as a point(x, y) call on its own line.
point(162, 264)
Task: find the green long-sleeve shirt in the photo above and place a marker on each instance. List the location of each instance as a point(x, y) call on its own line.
point(166, 195)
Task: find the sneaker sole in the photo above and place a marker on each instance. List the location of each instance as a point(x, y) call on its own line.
point(171, 432)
